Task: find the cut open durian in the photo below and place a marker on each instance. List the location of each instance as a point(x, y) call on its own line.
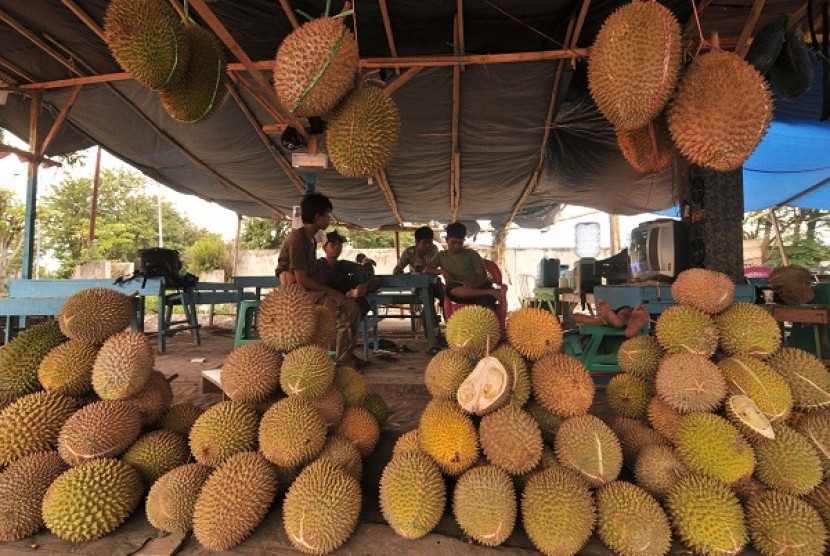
point(748, 418)
point(487, 388)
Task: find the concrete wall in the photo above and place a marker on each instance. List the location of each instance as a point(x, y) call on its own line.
point(102, 269)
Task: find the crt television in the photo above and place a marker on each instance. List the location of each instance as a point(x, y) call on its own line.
point(659, 249)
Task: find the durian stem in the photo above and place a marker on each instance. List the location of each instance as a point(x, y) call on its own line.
point(302, 13)
point(343, 14)
point(328, 7)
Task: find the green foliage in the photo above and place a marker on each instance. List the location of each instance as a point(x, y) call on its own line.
point(804, 233)
point(12, 215)
point(365, 239)
point(127, 220)
point(263, 233)
point(207, 253)
point(808, 252)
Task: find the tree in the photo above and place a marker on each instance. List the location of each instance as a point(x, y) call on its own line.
point(126, 222)
point(11, 232)
point(803, 232)
point(365, 239)
point(208, 253)
point(263, 233)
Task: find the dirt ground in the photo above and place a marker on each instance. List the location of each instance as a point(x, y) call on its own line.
point(395, 374)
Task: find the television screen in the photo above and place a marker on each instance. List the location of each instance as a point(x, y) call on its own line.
point(659, 249)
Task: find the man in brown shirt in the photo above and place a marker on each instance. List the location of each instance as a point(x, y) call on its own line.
point(294, 265)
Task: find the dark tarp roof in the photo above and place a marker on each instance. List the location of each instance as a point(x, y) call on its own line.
point(501, 124)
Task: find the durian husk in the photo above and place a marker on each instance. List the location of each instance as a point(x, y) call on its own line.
point(634, 63)
point(721, 111)
point(648, 149)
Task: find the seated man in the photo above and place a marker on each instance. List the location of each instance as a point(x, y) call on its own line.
point(463, 271)
point(294, 266)
point(417, 256)
point(633, 320)
point(351, 279)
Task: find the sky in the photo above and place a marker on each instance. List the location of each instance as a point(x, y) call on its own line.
point(214, 218)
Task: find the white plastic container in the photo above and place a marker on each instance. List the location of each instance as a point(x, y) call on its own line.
point(587, 239)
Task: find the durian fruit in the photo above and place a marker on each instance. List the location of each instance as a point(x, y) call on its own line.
point(449, 437)
point(792, 71)
point(807, 376)
point(123, 366)
point(22, 487)
point(707, 290)
point(154, 399)
point(689, 383)
point(780, 523)
point(795, 294)
point(588, 446)
point(511, 439)
point(749, 330)
point(412, 494)
point(326, 328)
point(102, 429)
point(534, 332)
point(634, 63)
point(647, 149)
point(816, 428)
point(7, 397)
point(748, 418)
point(201, 90)
point(759, 381)
point(747, 488)
point(330, 406)
point(516, 367)
point(628, 395)
point(363, 132)
point(484, 504)
point(286, 318)
point(315, 66)
point(710, 445)
point(706, 515)
point(486, 389)
point(684, 329)
point(342, 452)
point(180, 418)
point(562, 385)
point(91, 500)
point(791, 284)
point(640, 356)
point(291, 432)
point(360, 426)
point(21, 358)
point(634, 436)
point(155, 453)
point(147, 40)
point(706, 123)
point(251, 373)
point(788, 463)
point(407, 442)
point(31, 424)
point(445, 372)
point(307, 372)
point(234, 500)
point(548, 421)
point(374, 404)
point(658, 468)
point(352, 384)
point(68, 368)
point(223, 430)
point(473, 330)
point(558, 511)
point(321, 509)
point(95, 314)
point(172, 498)
point(663, 418)
point(630, 521)
point(819, 498)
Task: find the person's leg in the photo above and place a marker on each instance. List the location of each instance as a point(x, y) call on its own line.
point(486, 297)
point(579, 318)
point(608, 315)
point(637, 321)
point(348, 318)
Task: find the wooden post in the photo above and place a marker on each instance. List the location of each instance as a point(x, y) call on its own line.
point(614, 221)
point(31, 186)
point(774, 217)
point(96, 182)
point(236, 243)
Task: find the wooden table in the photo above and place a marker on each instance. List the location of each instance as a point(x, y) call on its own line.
point(818, 316)
point(396, 289)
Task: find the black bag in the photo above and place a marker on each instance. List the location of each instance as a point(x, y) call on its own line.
point(158, 261)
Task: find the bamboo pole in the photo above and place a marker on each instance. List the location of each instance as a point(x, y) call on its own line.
point(774, 218)
point(386, 189)
point(56, 125)
point(459, 24)
point(472, 59)
point(96, 183)
point(402, 80)
point(387, 26)
point(743, 41)
point(289, 13)
point(455, 165)
point(30, 218)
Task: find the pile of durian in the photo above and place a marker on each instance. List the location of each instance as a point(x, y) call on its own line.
point(87, 430)
point(719, 436)
point(715, 112)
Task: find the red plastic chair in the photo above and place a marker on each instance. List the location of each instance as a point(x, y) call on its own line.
point(494, 273)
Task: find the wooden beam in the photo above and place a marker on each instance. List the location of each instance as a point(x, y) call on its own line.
point(289, 13)
point(20, 28)
point(73, 81)
point(273, 129)
point(56, 125)
point(470, 59)
point(387, 25)
point(227, 39)
point(14, 68)
point(459, 42)
point(798, 16)
point(275, 152)
point(402, 80)
point(257, 94)
point(83, 16)
point(383, 184)
point(455, 162)
point(743, 41)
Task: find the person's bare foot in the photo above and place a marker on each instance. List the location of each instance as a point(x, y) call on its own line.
point(608, 315)
point(639, 319)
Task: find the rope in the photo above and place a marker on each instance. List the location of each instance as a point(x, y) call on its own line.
point(317, 76)
point(703, 41)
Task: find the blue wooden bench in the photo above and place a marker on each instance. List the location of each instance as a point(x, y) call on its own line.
point(209, 293)
point(47, 297)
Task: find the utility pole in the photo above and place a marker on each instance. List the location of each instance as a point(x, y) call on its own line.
point(96, 182)
point(158, 200)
